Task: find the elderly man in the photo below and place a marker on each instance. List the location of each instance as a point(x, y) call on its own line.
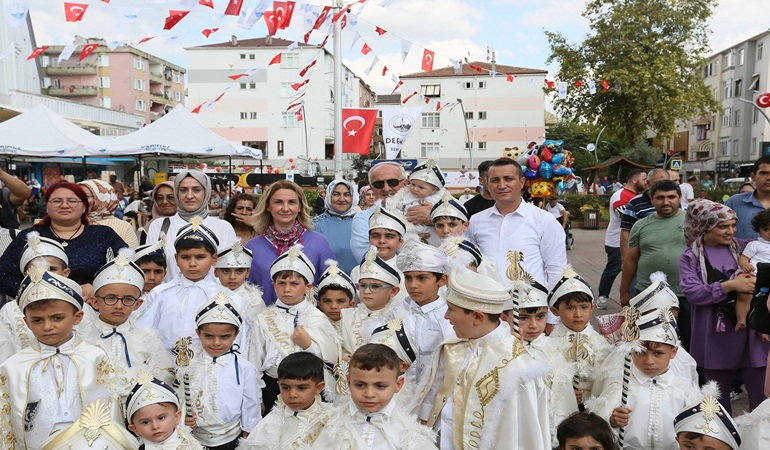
point(513, 224)
point(385, 178)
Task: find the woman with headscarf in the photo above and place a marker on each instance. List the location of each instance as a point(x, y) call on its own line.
point(707, 271)
point(367, 197)
point(336, 222)
point(102, 203)
point(192, 190)
point(163, 207)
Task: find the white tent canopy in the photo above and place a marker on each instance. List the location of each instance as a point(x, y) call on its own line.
point(41, 132)
point(176, 133)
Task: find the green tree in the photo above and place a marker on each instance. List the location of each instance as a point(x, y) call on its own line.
point(643, 153)
point(651, 53)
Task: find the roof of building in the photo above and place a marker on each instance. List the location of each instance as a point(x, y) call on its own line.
point(468, 71)
point(265, 42)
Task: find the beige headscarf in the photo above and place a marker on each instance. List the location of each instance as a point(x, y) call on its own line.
point(105, 199)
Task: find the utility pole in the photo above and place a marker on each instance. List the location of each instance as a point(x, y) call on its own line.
point(338, 173)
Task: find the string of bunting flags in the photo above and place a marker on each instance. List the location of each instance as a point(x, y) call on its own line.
point(279, 18)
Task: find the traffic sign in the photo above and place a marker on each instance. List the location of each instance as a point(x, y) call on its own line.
point(676, 164)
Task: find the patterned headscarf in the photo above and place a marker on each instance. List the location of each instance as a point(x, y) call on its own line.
point(105, 199)
point(702, 217)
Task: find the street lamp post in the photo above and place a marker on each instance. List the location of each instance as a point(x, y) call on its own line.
point(468, 141)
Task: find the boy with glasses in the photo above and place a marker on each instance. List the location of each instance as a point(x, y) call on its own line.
point(117, 293)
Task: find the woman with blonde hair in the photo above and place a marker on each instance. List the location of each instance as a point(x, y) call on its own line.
point(282, 220)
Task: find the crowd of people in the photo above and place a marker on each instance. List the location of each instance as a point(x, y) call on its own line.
point(396, 317)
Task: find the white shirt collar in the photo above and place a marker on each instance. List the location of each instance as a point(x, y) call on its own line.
point(520, 210)
point(172, 442)
point(386, 410)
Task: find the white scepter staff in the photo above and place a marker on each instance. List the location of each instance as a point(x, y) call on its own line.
point(516, 274)
point(183, 357)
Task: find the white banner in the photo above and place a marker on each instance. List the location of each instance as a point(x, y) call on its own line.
point(397, 124)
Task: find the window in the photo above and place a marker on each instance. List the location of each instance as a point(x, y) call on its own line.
point(253, 115)
point(105, 102)
point(56, 83)
point(715, 91)
point(244, 115)
point(754, 115)
point(430, 90)
point(289, 119)
point(290, 60)
point(482, 145)
point(723, 148)
point(754, 86)
point(104, 60)
point(728, 87)
point(482, 115)
point(737, 118)
point(138, 63)
point(177, 77)
point(252, 85)
point(243, 86)
point(753, 146)
point(286, 89)
point(741, 56)
point(736, 148)
point(140, 105)
point(738, 87)
point(760, 46)
point(104, 82)
point(482, 84)
point(728, 112)
point(178, 96)
point(469, 115)
point(252, 56)
point(467, 84)
point(139, 84)
point(708, 70)
point(429, 149)
point(280, 148)
point(729, 59)
point(713, 125)
point(243, 55)
point(431, 120)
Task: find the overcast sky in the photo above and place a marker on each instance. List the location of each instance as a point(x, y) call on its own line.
point(451, 28)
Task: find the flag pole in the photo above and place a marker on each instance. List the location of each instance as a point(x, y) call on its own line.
point(338, 173)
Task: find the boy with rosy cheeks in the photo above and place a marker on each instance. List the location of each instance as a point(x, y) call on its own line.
point(291, 324)
point(372, 418)
point(299, 415)
point(336, 292)
point(232, 269)
point(449, 217)
point(232, 409)
point(152, 413)
point(533, 312)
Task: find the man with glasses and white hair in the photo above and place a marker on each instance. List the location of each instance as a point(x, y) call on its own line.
point(385, 178)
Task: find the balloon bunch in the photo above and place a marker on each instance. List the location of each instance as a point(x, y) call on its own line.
point(546, 166)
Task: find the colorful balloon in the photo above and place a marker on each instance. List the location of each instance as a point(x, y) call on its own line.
point(546, 170)
point(531, 174)
point(534, 162)
point(561, 170)
point(546, 154)
point(557, 158)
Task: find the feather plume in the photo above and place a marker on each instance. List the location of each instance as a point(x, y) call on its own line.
point(658, 276)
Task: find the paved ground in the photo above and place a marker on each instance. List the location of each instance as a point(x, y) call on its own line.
point(588, 259)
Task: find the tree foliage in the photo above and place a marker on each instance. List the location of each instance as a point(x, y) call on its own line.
point(643, 152)
point(651, 53)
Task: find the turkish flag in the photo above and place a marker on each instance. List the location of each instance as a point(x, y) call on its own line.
point(197, 109)
point(357, 129)
point(174, 16)
point(510, 78)
point(35, 53)
point(87, 50)
point(322, 17)
point(146, 39)
point(271, 21)
point(276, 60)
point(366, 49)
point(283, 12)
point(304, 71)
point(299, 115)
point(74, 12)
point(605, 85)
point(234, 8)
point(208, 3)
point(207, 32)
point(427, 60)
point(550, 84)
point(578, 84)
point(296, 86)
point(379, 30)
point(476, 68)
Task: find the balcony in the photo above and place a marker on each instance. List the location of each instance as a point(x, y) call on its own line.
point(156, 78)
point(73, 91)
point(159, 98)
point(86, 69)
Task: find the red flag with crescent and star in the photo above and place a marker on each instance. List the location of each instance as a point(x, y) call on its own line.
point(427, 60)
point(74, 12)
point(357, 129)
point(234, 8)
point(322, 17)
point(87, 50)
point(36, 52)
point(174, 16)
point(271, 21)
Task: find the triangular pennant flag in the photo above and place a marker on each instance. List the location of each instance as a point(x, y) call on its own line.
point(112, 45)
point(356, 37)
point(36, 52)
point(456, 64)
point(247, 73)
point(343, 22)
point(149, 38)
point(67, 52)
point(398, 85)
point(197, 109)
point(578, 84)
point(207, 3)
point(562, 90)
point(304, 71)
point(73, 12)
point(340, 14)
point(276, 60)
point(209, 31)
point(371, 66)
point(234, 8)
point(510, 78)
point(476, 68)
point(550, 84)
point(87, 50)
point(296, 86)
point(605, 85)
point(408, 97)
point(405, 47)
point(591, 87)
point(438, 106)
point(322, 17)
point(379, 31)
point(384, 70)
point(366, 49)
point(174, 16)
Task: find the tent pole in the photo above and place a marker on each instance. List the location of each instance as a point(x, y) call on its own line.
point(85, 167)
point(229, 174)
